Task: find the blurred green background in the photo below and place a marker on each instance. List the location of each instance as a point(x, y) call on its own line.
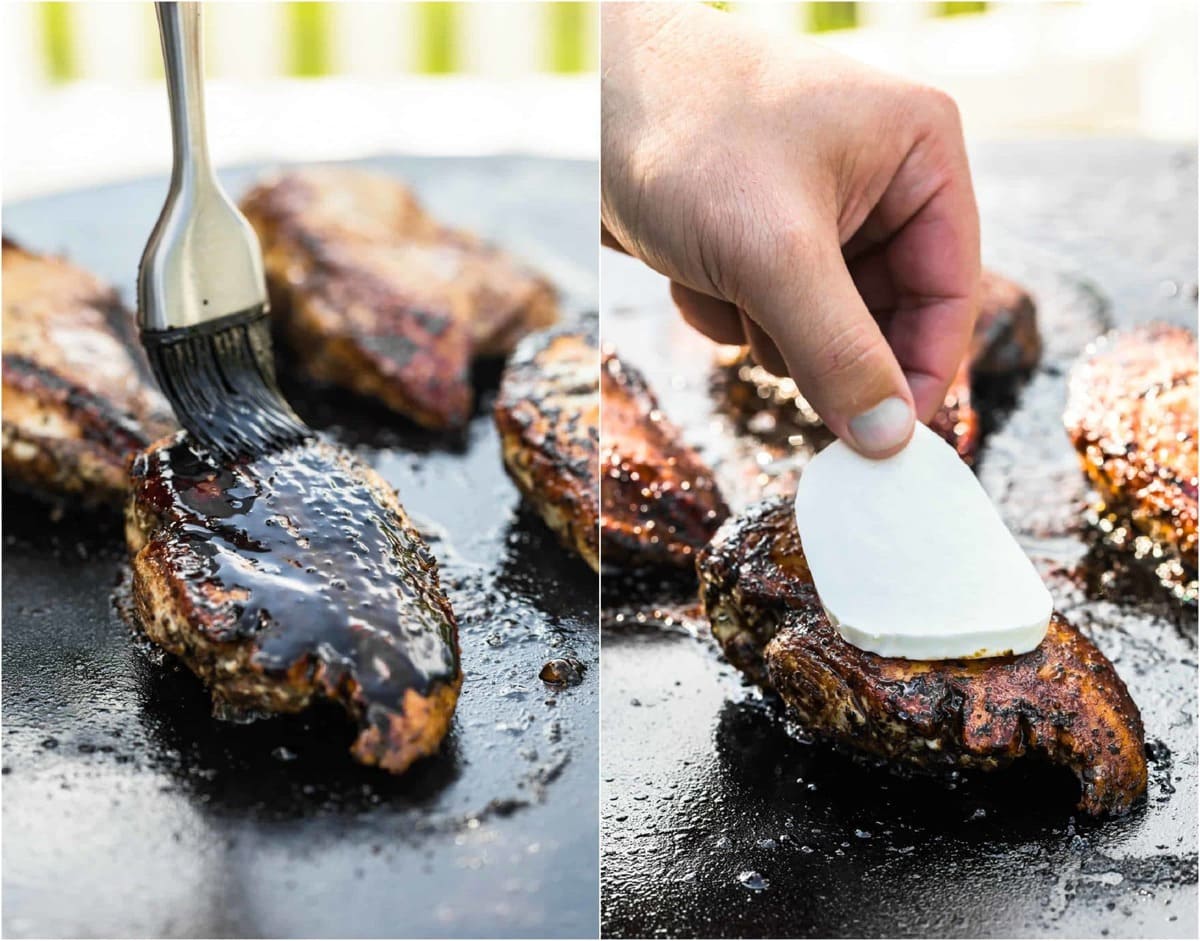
point(433, 38)
point(306, 39)
point(84, 101)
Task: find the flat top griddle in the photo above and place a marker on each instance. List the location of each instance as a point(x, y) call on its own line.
point(719, 819)
point(130, 811)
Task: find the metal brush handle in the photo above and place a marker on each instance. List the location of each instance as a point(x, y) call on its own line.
point(203, 260)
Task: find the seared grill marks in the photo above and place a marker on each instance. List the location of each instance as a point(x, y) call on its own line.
point(548, 415)
point(78, 396)
point(295, 577)
point(659, 501)
point(1131, 414)
point(374, 295)
point(1063, 701)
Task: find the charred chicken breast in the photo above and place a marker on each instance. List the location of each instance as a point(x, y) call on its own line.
point(548, 415)
point(751, 388)
point(1062, 701)
point(1131, 414)
point(79, 399)
point(374, 295)
point(659, 502)
point(1006, 337)
point(291, 578)
point(957, 421)
point(1005, 340)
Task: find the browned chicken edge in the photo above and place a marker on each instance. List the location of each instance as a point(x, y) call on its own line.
point(78, 399)
point(659, 501)
point(547, 414)
point(1131, 414)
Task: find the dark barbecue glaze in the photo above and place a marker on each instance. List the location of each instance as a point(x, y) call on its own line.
point(1062, 701)
point(79, 399)
point(1131, 415)
point(292, 577)
point(548, 415)
point(374, 295)
point(659, 501)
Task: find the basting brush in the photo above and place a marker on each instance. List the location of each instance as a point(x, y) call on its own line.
point(202, 296)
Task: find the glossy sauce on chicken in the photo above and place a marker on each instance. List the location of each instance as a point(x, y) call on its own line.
point(324, 572)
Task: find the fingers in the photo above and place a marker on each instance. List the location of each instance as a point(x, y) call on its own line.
point(721, 321)
point(933, 258)
point(608, 240)
point(930, 338)
point(925, 333)
point(716, 319)
point(833, 348)
point(763, 348)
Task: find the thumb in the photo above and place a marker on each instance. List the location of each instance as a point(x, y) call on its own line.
point(834, 349)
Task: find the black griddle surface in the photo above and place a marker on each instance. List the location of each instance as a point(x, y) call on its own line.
point(130, 811)
point(720, 820)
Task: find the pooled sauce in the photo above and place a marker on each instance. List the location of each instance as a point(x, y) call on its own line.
point(317, 567)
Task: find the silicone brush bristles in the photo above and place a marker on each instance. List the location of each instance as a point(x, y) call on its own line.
point(220, 378)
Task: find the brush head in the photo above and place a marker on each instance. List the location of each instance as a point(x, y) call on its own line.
point(220, 378)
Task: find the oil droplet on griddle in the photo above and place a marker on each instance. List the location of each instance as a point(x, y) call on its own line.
point(562, 671)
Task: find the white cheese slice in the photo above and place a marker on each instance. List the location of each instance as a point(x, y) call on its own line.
point(911, 559)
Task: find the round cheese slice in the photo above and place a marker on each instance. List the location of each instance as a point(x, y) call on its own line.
point(911, 559)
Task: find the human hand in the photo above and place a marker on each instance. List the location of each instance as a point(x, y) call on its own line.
point(801, 202)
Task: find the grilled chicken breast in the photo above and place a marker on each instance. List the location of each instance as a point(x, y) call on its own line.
point(292, 578)
point(1006, 337)
point(659, 502)
point(79, 399)
point(374, 295)
point(1062, 701)
point(548, 415)
point(957, 421)
point(1005, 340)
point(1131, 414)
point(750, 388)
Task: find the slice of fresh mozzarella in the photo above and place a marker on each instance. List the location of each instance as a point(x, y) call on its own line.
point(911, 559)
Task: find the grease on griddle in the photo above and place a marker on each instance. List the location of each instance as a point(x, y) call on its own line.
point(562, 671)
point(1167, 567)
